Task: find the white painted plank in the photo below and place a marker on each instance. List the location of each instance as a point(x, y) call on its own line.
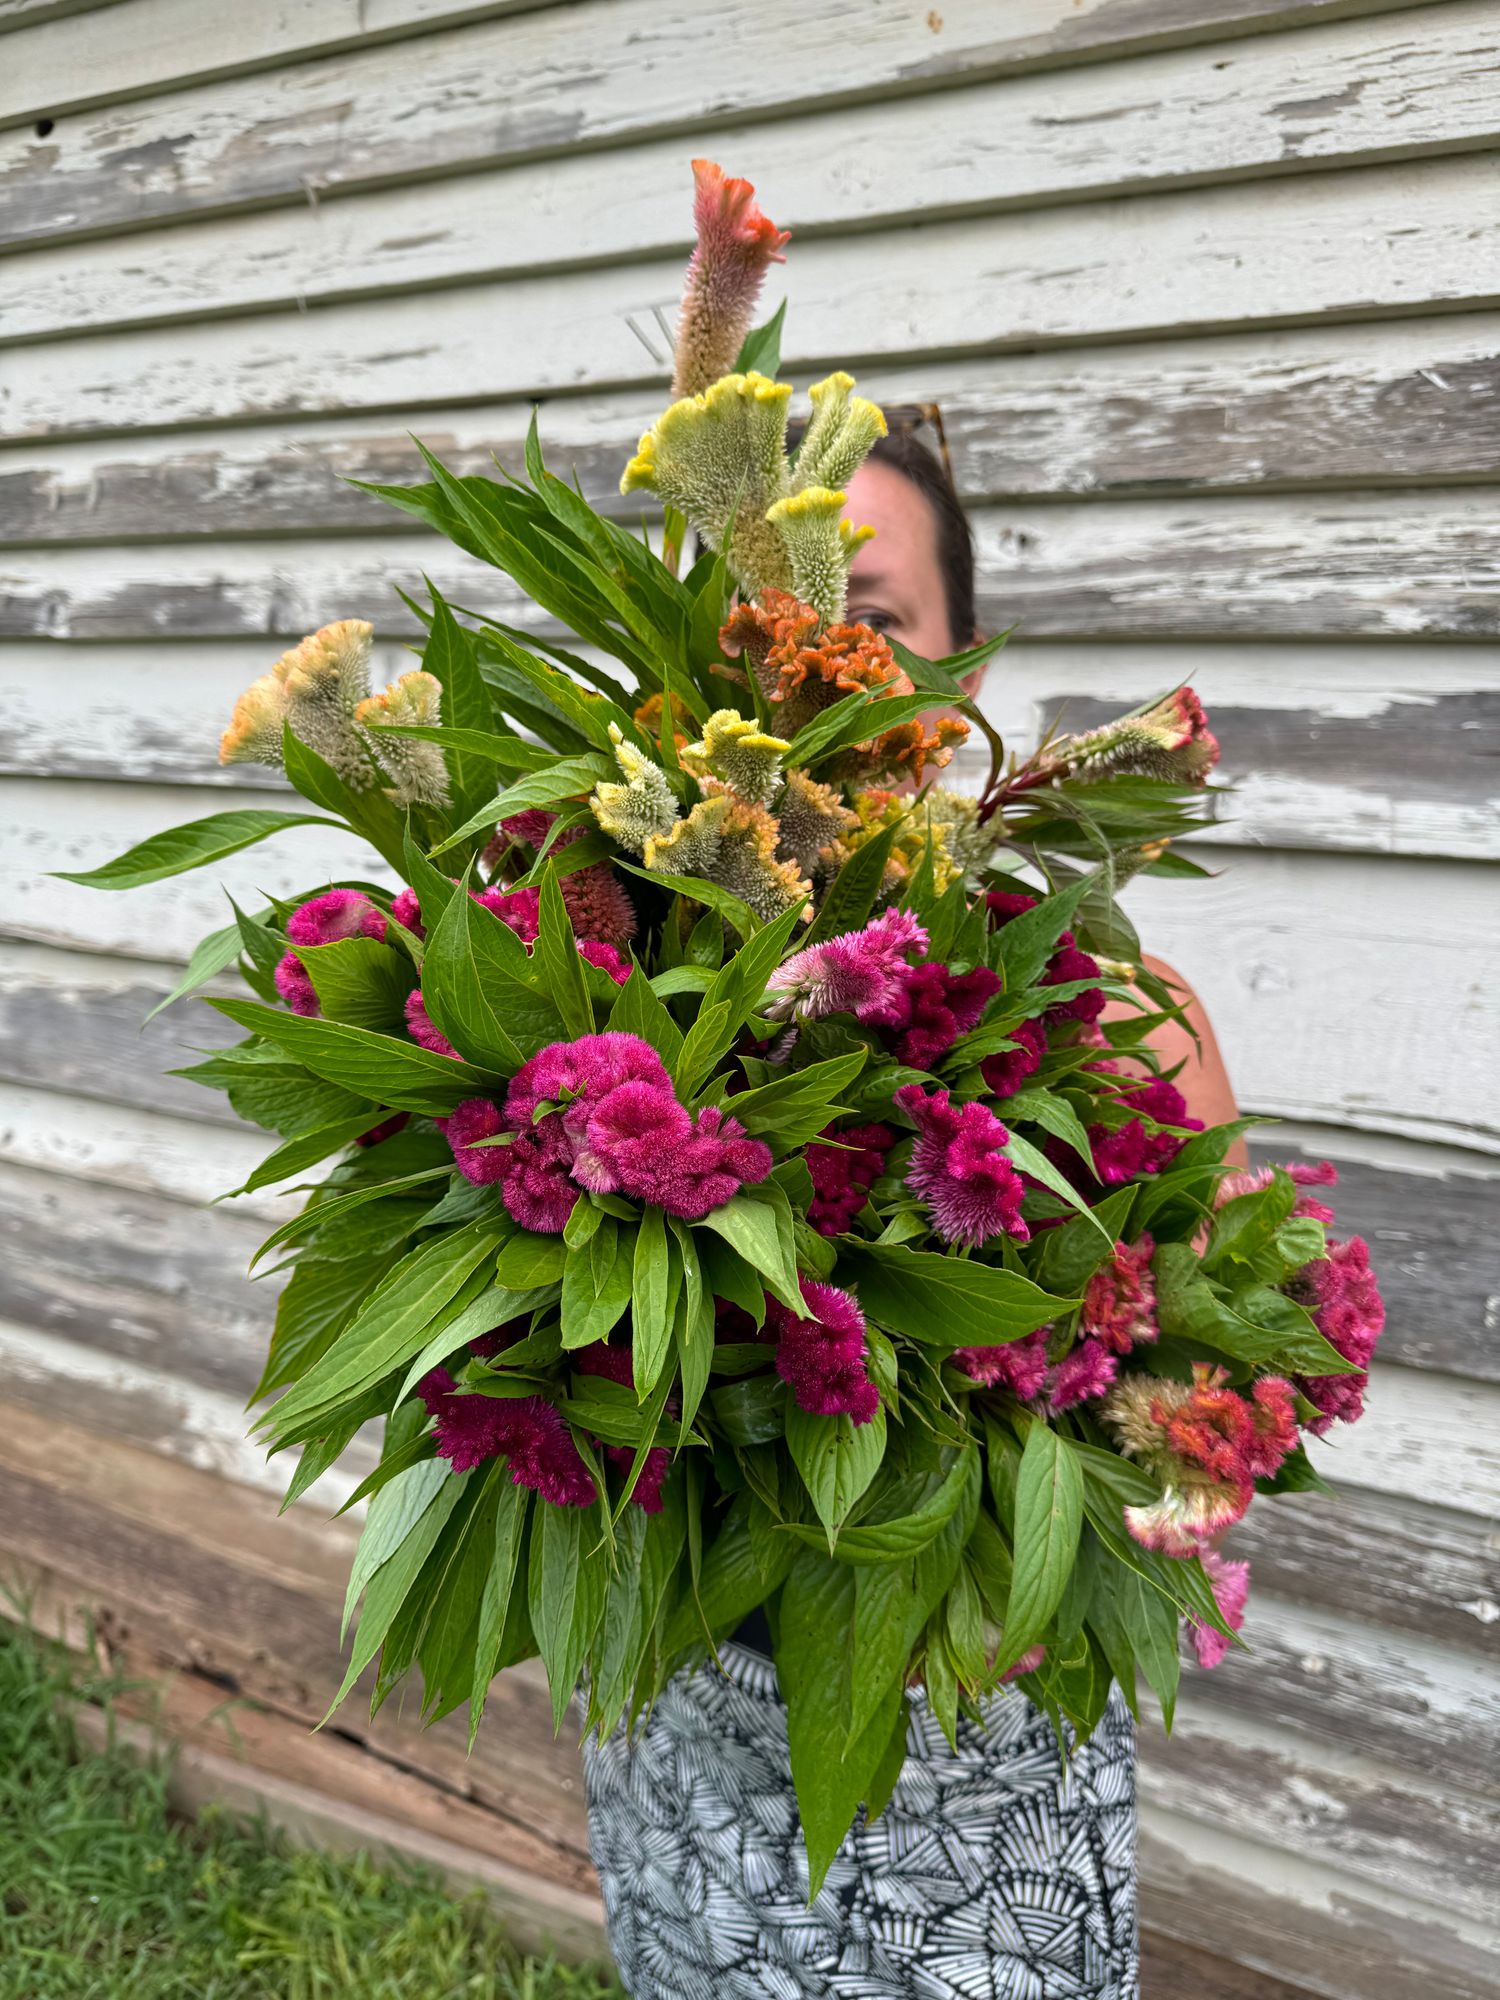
point(44, 827)
point(496, 90)
point(1398, 1444)
point(1379, 566)
point(67, 62)
point(1420, 81)
point(1356, 244)
point(1351, 993)
point(1363, 405)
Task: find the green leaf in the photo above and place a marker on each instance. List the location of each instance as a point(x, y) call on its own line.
point(211, 955)
point(731, 998)
point(760, 350)
point(359, 981)
point(393, 1515)
point(1029, 940)
point(511, 753)
point(638, 1010)
point(510, 1535)
point(596, 1284)
point(563, 778)
point(1049, 1515)
point(451, 657)
point(562, 969)
point(317, 1214)
point(295, 1155)
point(837, 1459)
point(724, 901)
point(474, 968)
point(1068, 1256)
point(851, 895)
point(796, 1107)
point(370, 813)
point(1029, 1159)
point(192, 845)
point(399, 1075)
point(567, 1590)
point(753, 1411)
point(947, 1301)
point(757, 1222)
point(655, 1278)
point(316, 1302)
point(905, 1535)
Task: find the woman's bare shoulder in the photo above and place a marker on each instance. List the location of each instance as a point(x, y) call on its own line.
point(1204, 1080)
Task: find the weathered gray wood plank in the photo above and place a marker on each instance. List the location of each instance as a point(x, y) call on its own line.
point(1383, 566)
point(1358, 244)
point(1343, 92)
point(1367, 406)
point(508, 88)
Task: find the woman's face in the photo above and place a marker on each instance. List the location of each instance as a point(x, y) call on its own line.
point(896, 580)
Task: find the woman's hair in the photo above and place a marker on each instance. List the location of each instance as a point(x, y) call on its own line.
point(905, 453)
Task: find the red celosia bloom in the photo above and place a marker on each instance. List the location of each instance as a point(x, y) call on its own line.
point(1067, 965)
point(1005, 1072)
point(736, 244)
point(1207, 1443)
point(1087, 1371)
point(421, 1028)
point(959, 1168)
point(931, 1009)
point(340, 913)
point(1273, 1416)
point(534, 1182)
point(1020, 1365)
point(1131, 1148)
point(1004, 905)
point(1231, 1588)
point(841, 1177)
point(606, 958)
point(822, 1355)
point(519, 908)
point(597, 904)
point(1119, 1301)
point(408, 912)
point(470, 1429)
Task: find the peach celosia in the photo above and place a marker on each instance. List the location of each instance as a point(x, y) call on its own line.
point(416, 769)
point(737, 243)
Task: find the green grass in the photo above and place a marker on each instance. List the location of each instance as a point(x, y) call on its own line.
point(106, 1895)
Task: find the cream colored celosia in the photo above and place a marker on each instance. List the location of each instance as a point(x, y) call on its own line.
point(954, 817)
point(643, 808)
point(837, 441)
point(417, 772)
point(691, 845)
point(254, 732)
point(810, 817)
point(820, 545)
point(735, 748)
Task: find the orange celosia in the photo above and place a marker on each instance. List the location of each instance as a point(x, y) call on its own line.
point(649, 716)
point(903, 752)
point(795, 667)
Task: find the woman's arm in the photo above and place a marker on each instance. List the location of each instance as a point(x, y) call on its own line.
point(1204, 1081)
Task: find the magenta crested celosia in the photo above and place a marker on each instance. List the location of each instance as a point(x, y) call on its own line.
point(735, 247)
point(960, 1170)
point(844, 1172)
point(821, 1353)
point(1123, 1152)
point(421, 1027)
point(596, 901)
point(526, 1430)
point(1340, 1292)
point(600, 1114)
point(1230, 1582)
point(931, 1008)
point(1006, 1070)
point(862, 973)
point(606, 958)
point(1019, 1366)
point(1119, 1300)
point(326, 919)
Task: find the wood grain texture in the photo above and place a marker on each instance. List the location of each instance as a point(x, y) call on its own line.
point(508, 88)
point(1410, 84)
point(1338, 567)
point(1359, 244)
point(1368, 405)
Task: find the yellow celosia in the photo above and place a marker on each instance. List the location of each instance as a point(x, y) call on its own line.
point(820, 545)
point(838, 439)
point(643, 808)
point(735, 748)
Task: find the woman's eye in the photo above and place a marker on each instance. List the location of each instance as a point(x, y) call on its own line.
point(878, 621)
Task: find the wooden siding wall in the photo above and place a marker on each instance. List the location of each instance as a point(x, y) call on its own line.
point(1209, 291)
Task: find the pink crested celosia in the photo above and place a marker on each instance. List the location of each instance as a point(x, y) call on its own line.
point(520, 909)
point(931, 1008)
point(1340, 1292)
point(1171, 741)
point(407, 911)
point(527, 1430)
point(1019, 1366)
point(1119, 1300)
point(1005, 1071)
point(736, 244)
point(822, 1353)
point(421, 1027)
point(1028, 1663)
point(860, 972)
point(600, 1113)
point(606, 958)
point(1306, 1173)
point(843, 1173)
point(1231, 1588)
point(1086, 1372)
point(959, 1168)
point(327, 919)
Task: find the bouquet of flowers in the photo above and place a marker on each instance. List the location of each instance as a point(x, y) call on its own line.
point(752, 1183)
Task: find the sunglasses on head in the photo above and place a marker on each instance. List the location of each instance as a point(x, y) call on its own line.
point(909, 418)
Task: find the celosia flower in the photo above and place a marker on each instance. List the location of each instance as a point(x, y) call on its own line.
point(652, 716)
point(614, 1363)
point(1119, 1300)
point(1340, 1292)
point(294, 984)
point(736, 245)
point(337, 914)
point(325, 678)
point(408, 912)
point(920, 838)
point(417, 771)
point(470, 1429)
point(386, 1129)
point(644, 807)
point(800, 672)
point(1005, 905)
point(959, 1168)
point(738, 751)
point(809, 818)
point(535, 1185)
point(822, 1354)
point(1250, 1180)
point(1171, 741)
point(903, 753)
point(1085, 1372)
point(1186, 1517)
point(478, 1118)
point(1231, 1588)
point(1130, 1149)
point(598, 906)
point(843, 1173)
point(932, 1009)
point(606, 958)
point(1066, 966)
point(820, 546)
point(1028, 1663)
point(839, 437)
point(733, 843)
point(519, 909)
point(421, 1027)
point(254, 732)
point(858, 972)
point(1020, 1365)
point(1008, 1069)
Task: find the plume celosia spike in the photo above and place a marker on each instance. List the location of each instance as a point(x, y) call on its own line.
point(736, 246)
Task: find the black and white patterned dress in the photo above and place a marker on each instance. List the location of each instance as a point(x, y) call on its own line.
point(990, 1875)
